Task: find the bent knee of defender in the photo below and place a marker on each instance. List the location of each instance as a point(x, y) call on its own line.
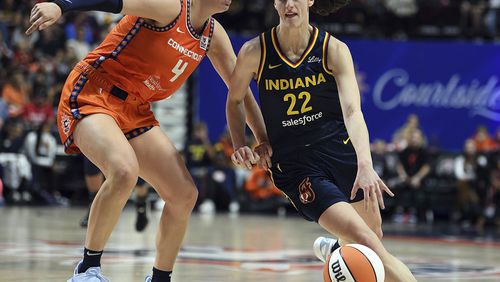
point(183, 201)
point(123, 177)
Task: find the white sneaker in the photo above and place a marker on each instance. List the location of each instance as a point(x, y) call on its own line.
point(322, 247)
point(234, 207)
point(207, 207)
point(92, 274)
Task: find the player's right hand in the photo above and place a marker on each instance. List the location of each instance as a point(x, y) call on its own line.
point(43, 15)
point(245, 157)
point(265, 152)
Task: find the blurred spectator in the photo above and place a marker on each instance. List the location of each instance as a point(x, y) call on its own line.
point(483, 141)
point(494, 203)
point(38, 111)
point(379, 157)
point(40, 148)
point(414, 166)
point(222, 185)
point(49, 43)
point(15, 166)
point(471, 14)
point(262, 195)
point(198, 155)
point(5, 51)
point(79, 45)
point(259, 185)
point(4, 113)
point(15, 93)
point(12, 137)
point(403, 135)
point(491, 19)
point(401, 17)
point(467, 172)
point(497, 139)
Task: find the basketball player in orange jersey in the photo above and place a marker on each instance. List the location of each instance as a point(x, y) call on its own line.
point(105, 111)
point(319, 153)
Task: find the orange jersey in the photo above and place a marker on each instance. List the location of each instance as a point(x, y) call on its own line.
point(148, 61)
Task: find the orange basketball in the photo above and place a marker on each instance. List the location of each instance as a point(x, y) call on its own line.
point(354, 262)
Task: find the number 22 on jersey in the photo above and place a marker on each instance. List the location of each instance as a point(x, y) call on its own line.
point(304, 95)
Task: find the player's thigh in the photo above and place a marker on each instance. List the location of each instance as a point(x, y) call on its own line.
point(162, 166)
point(101, 140)
point(372, 218)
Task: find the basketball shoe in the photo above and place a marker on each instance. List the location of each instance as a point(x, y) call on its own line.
point(323, 247)
point(92, 274)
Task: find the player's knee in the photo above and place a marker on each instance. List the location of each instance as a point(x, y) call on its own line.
point(124, 175)
point(190, 196)
point(183, 201)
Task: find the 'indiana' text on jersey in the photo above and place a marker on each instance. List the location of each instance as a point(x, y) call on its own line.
point(299, 101)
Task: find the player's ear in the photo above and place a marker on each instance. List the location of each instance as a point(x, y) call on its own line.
point(310, 3)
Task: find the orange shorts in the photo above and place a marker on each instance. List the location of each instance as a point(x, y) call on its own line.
point(83, 95)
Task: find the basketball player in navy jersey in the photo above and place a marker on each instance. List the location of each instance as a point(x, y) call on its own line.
point(318, 150)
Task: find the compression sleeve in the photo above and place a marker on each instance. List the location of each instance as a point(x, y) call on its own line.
point(111, 6)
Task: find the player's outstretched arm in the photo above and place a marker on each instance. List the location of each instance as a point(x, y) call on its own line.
point(224, 61)
point(246, 68)
point(46, 14)
point(340, 60)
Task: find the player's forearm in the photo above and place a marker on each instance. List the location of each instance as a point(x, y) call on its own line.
point(358, 133)
point(236, 116)
point(111, 6)
point(254, 118)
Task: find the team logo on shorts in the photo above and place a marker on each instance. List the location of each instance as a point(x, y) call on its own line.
point(66, 124)
point(306, 192)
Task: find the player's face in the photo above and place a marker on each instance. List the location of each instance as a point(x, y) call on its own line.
point(293, 12)
point(219, 6)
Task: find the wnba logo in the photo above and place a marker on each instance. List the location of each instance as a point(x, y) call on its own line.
point(335, 267)
point(306, 192)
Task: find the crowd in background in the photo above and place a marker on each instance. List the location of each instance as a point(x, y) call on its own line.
point(399, 19)
point(33, 70)
point(461, 187)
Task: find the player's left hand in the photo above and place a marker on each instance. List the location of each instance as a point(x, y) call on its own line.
point(43, 15)
point(371, 184)
point(265, 153)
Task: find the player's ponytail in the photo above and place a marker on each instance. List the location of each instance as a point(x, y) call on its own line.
point(326, 7)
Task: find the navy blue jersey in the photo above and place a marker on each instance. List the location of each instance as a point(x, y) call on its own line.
point(299, 101)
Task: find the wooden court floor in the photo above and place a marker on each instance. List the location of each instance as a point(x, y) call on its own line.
point(43, 244)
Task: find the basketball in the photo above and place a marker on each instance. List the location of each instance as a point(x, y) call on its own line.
point(354, 262)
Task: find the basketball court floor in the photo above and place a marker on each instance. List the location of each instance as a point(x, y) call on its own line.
point(43, 244)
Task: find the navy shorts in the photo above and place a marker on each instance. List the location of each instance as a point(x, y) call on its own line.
point(90, 169)
point(317, 176)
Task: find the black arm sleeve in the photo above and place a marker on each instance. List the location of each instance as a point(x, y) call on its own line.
point(111, 6)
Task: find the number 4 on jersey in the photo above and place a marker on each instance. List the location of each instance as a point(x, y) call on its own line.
point(179, 68)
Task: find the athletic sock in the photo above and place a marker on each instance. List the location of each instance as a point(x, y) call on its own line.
point(161, 276)
point(335, 246)
point(90, 259)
